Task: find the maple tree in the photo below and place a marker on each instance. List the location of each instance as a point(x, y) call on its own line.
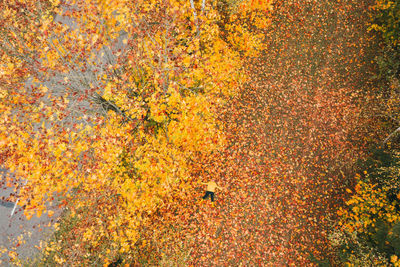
point(121, 101)
point(130, 105)
point(367, 230)
point(368, 226)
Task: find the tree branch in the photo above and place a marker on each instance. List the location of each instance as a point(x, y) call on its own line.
point(203, 5)
point(390, 136)
point(109, 105)
point(196, 21)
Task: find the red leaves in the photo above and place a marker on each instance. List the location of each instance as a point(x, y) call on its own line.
point(288, 129)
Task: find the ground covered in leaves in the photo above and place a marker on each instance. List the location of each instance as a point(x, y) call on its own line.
point(293, 131)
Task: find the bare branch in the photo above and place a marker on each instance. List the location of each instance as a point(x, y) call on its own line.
point(203, 5)
point(391, 135)
point(109, 105)
point(196, 21)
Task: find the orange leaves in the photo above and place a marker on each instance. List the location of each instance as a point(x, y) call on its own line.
point(288, 130)
point(252, 5)
point(116, 139)
point(50, 213)
point(246, 25)
point(155, 117)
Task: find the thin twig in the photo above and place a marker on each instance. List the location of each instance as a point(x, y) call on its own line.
point(390, 136)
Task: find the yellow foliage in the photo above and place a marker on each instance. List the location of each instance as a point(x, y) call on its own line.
point(366, 206)
point(167, 93)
